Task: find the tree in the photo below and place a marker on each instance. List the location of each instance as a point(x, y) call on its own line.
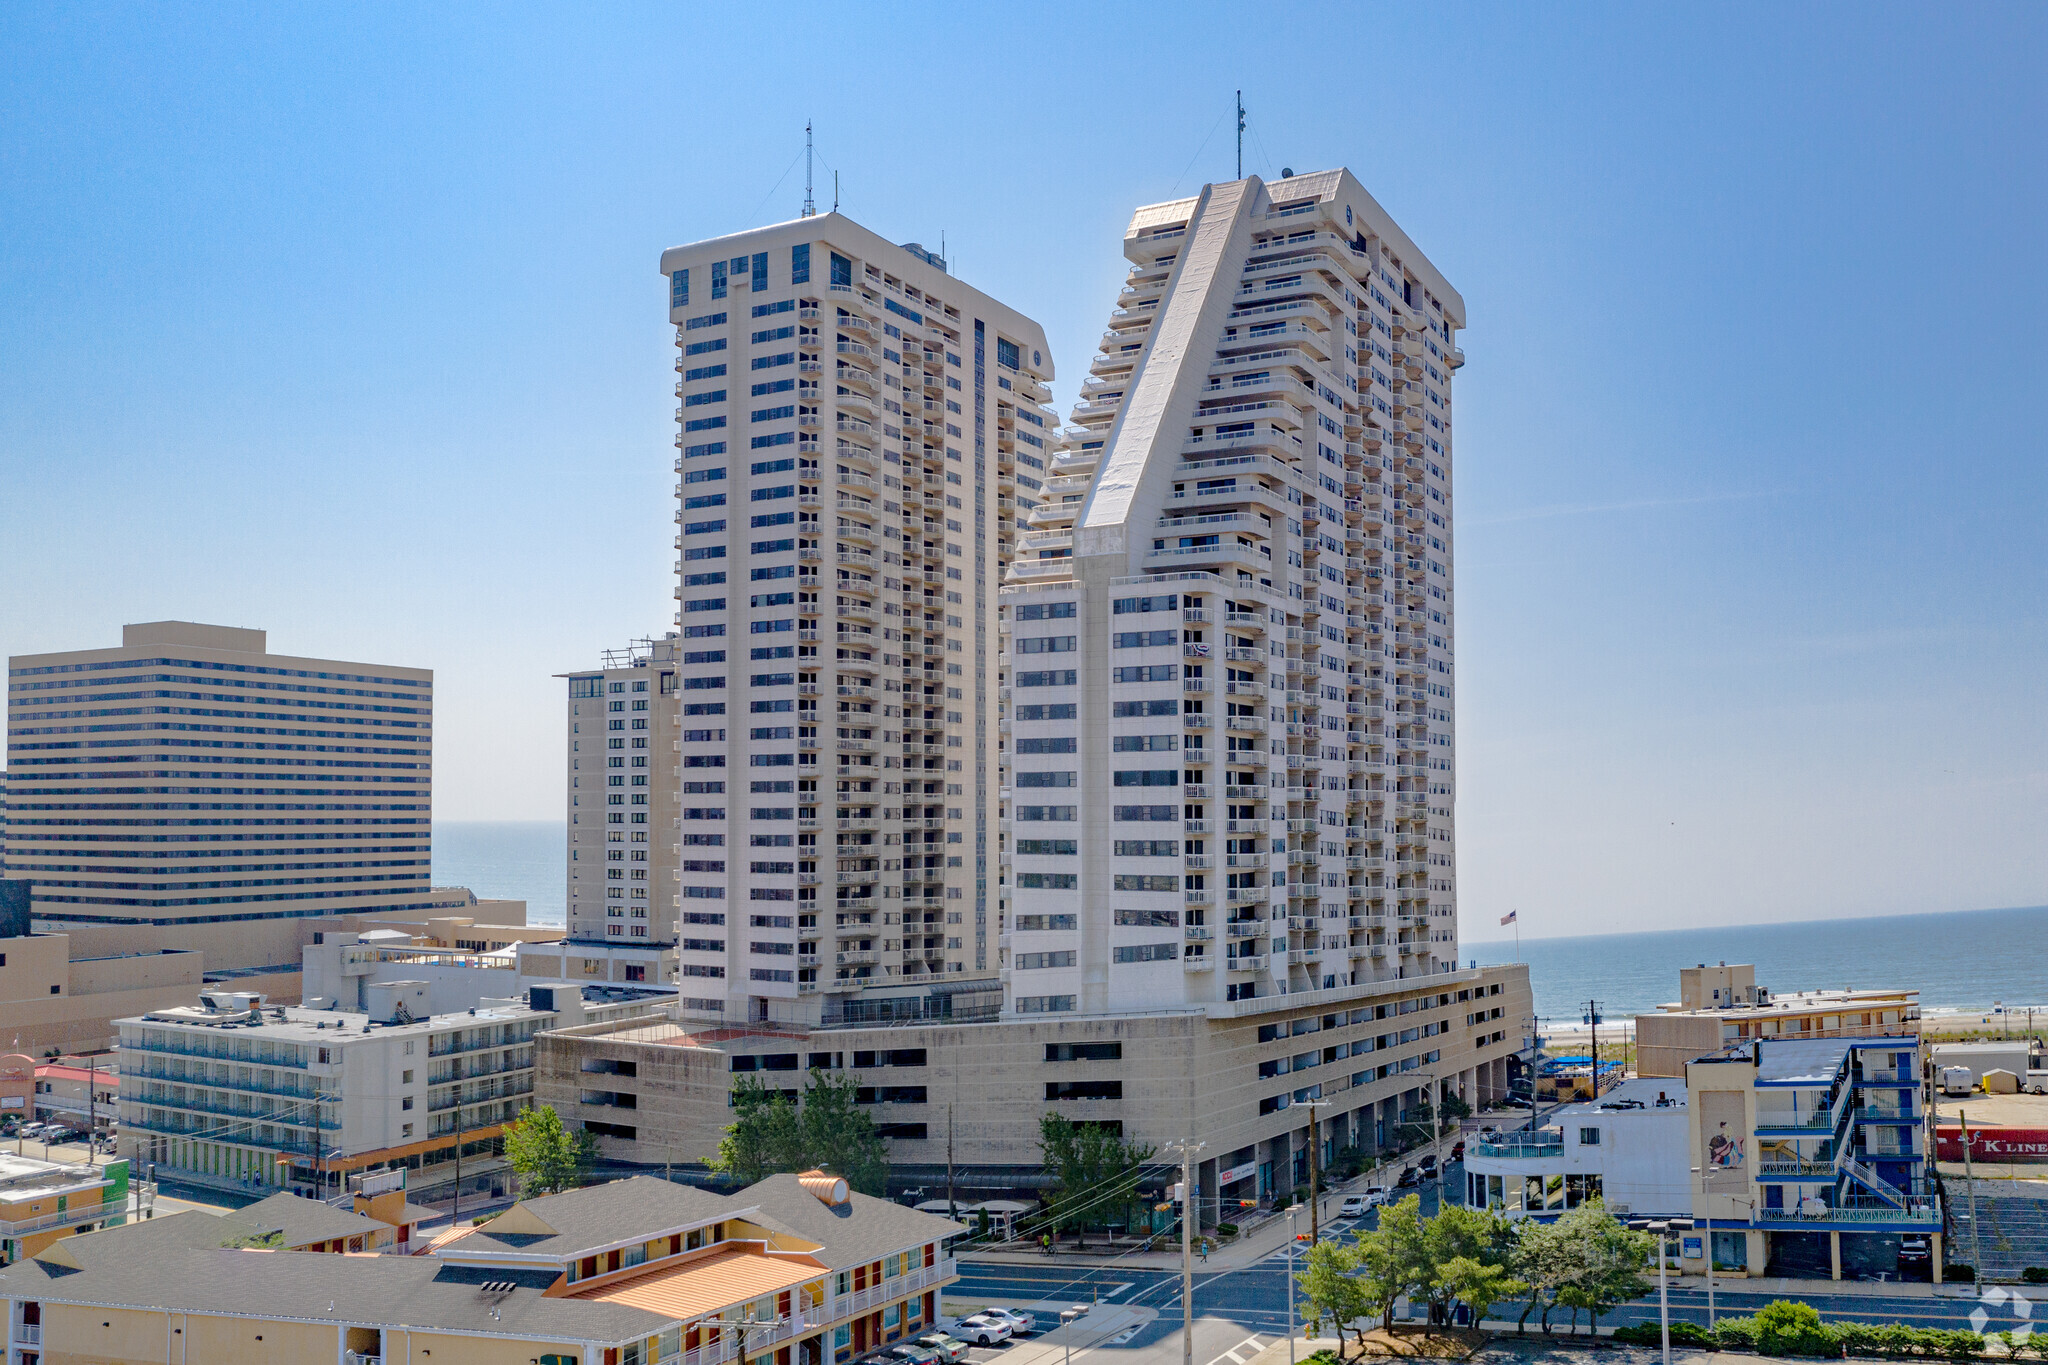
point(1334, 1288)
point(1477, 1284)
point(1542, 1262)
point(764, 1137)
point(546, 1156)
point(1465, 1257)
point(840, 1136)
point(1605, 1262)
point(829, 1131)
point(1094, 1172)
point(1392, 1260)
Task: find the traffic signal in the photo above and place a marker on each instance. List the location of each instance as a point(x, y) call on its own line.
point(1247, 1203)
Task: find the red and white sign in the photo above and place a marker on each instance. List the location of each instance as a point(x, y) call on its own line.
point(1992, 1144)
point(1237, 1173)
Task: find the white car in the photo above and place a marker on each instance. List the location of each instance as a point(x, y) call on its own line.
point(981, 1329)
point(1354, 1206)
point(1022, 1324)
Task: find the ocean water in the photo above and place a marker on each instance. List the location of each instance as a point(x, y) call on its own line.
point(1969, 960)
point(1966, 960)
point(514, 860)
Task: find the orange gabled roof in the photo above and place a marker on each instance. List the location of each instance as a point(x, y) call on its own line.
point(695, 1288)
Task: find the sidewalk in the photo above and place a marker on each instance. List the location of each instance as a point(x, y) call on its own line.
point(1248, 1249)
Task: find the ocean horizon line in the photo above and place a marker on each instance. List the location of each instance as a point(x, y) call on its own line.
point(1887, 917)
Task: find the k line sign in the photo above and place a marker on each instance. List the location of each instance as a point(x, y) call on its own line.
point(1993, 1144)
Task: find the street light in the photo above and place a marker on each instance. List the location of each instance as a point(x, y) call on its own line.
point(1662, 1228)
point(1290, 1281)
point(1067, 1316)
point(1705, 1203)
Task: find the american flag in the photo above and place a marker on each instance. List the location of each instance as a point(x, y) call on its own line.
point(1509, 917)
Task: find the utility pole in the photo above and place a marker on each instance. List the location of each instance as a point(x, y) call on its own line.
point(1187, 1152)
point(1315, 1194)
point(1240, 135)
point(952, 1210)
point(455, 1217)
point(92, 1084)
point(1970, 1192)
point(1593, 1021)
point(810, 204)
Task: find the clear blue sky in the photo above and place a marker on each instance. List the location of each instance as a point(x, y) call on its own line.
point(344, 321)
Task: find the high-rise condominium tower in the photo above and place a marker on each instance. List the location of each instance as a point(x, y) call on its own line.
point(191, 790)
point(1229, 629)
point(624, 762)
point(857, 432)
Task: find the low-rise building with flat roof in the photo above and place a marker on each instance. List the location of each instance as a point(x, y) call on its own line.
point(1721, 1005)
point(42, 1201)
point(1627, 1149)
point(236, 1091)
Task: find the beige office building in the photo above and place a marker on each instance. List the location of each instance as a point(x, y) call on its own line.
point(191, 790)
point(856, 432)
point(624, 798)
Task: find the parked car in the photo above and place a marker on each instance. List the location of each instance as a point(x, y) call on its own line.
point(981, 1329)
point(1410, 1178)
point(33, 1130)
point(1916, 1258)
point(1022, 1324)
point(1428, 1164)
point(915, 1354)
point(57, 1133)
point(1458, 1152)
point(949, 1348)
point(1354, 1206)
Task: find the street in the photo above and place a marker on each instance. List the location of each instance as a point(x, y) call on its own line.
point(1240, 1310)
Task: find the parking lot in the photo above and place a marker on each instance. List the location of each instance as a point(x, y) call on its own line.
point(72, 1151)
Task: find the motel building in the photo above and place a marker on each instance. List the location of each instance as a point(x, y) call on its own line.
point(1804, 1158)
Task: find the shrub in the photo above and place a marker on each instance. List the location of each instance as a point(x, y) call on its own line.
point(2035, 1274)
point(1226, 1229)
point(1683, 1333)
point(1964, 1273)
point(1785, 1327)
point(1735, 1334)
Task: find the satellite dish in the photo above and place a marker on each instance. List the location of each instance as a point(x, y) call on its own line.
point(1287, 172)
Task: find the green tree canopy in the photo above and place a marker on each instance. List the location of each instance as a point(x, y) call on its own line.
point(546, 1156)
point(827, 1129)
point(1586, 1260)
point(1094, 1172)
point(1336, 1288)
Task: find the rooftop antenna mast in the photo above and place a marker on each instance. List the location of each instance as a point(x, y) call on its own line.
point(835, 191)
point(1240, 135)
point(810, 204)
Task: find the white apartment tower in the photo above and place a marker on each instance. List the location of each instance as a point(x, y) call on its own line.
point(1229, 650)
point(624, 806)
point(857, 431)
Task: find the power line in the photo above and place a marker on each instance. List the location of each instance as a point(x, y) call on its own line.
point(779, 179)
point(1198, 154)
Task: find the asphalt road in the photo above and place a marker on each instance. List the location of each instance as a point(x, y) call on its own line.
point(1239, 1311)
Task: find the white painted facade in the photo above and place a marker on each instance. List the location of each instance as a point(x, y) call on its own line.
point(226, 1088)
point(1229, 668)
point(1632, 1157)
point(856, 431)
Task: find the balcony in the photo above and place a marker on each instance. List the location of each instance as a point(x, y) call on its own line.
point(1539, 1146)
